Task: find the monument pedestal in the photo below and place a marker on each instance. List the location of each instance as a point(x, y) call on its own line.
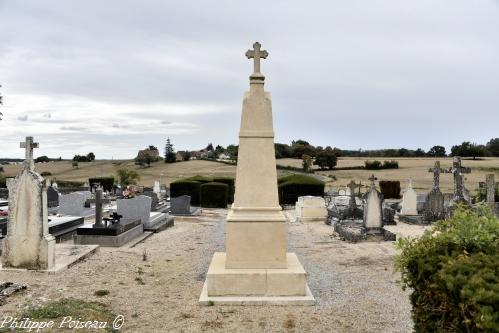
point(256, 286)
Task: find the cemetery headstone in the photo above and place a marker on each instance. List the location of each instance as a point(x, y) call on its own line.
point(28, 244)
point(373, 212)
point(490, 189)
point(434, 205)
point(409, 201)
point(52, 197)
point(72, 204)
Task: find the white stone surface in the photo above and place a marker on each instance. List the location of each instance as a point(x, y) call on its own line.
point(409, 201)
point(311, 209)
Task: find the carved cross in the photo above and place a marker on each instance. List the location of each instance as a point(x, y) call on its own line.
point(29, 145)
point(98, 201)
point(436, 174)
point(256, 54)
point(352, 187)
point(372, 179)
point(352, 204)
point(457, 170)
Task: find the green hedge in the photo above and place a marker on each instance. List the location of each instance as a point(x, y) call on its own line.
point(106, 182)
point(187, 187)
point(453, 273)
point(230, 184)
point(293, 186)
point(214, 195)
point(390, 189)
point(67, 183)
point(377, 165)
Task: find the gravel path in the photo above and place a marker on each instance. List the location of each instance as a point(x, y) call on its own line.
point(354, 284)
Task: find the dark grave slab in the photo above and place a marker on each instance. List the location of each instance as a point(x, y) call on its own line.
point(113, 230)
point(182, 206)
point(52, 197)
point(63, 227)
point(113, 235)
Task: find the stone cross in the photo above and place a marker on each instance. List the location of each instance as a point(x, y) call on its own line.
point(352, 205)
point(372, 179)
point(457, 170)
point(29, 145)
point(436, 174)
point(256, 54)
point(98, 201)
point(490, 189)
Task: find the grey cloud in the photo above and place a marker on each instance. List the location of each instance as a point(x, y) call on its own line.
point(22, 118)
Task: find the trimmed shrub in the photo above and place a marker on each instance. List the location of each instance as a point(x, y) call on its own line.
point(200, 179)
point(293, 186)
point(390, 189)
point(453, 273)
point(377, 165)
point(3, 181)
point(106, 182)
point(187, 187)
point(214, 195)
point(390, 164)
point(373, 165)
point(68, 183)
point(230, 183)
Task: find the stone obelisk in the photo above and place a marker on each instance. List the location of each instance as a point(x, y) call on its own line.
point(256, 267)
point(28, 244)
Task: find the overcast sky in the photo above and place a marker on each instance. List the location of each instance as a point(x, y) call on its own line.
point(115, 76)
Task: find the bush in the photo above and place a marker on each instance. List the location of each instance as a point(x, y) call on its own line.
point(3, 181)
point(106, 182)
point(214, 195)
point(377, 165)
point(453, 273)
point(293, 186)
point(390, 189)
point(68, 183)
point(200, 179)
point(46, 174)
point(230, 183)
point(187, 187)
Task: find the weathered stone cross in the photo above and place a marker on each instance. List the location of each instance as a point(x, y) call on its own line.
point(98, 201)
point(457, 170)
point(256, 54)
point(352, 204)
point(436, 174)
point(29, 145)
point(372, 179)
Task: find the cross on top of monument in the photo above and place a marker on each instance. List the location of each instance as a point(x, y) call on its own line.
point(436, 174)
point(352, 187)
point(256, 54)
point(29, 145)
point(372, 179)
point(457, 168)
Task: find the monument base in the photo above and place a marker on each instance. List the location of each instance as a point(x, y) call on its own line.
point(281, 286)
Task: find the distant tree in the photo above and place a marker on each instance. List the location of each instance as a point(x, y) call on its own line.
point(468, 149)
point(127, 177)
point(219, 149)
point(1, 169)
point(186, 156)
point(300, 148)
point(326, 159)
point(42, 159)
point(282, 150)
point(421, 153)
point(437, 151)
point(306, 163)
point(300, 142)
point(209, 147)
point(153, 148)
point(232, 150)
point(170, 156)
point(91, 157)
point(74, 164)
point(493, 147)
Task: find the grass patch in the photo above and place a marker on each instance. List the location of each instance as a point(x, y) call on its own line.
point(140, 281)
point(70, 307)
point(101, 292)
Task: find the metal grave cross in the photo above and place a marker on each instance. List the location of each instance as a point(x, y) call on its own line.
point(98, 201)
point(29, 145)
point(256, 54)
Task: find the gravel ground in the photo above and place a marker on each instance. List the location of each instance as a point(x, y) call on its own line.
point(354, 284)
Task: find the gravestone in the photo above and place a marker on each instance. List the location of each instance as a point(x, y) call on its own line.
point(409, 201)
point(154, 199)
point(342, 192)
point(181, 205)
point(491, 195)
point(52, 197)
point(434, 205)
point(459, 190)
point(311, 209)
point(99, 201)
point(136, 208)
point(373, 212)
point(72, 204)
point(28, 244)
point(157, 188)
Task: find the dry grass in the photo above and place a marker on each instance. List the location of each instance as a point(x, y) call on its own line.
point(415, 168)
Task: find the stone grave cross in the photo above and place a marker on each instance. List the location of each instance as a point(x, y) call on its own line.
point(256, 54)
point(352, 205)
point(98, 201)
point(436, 174)
point(457, 170)
point(29, 145)
point(372, 179)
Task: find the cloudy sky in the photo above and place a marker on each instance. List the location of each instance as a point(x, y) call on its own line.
point(115, 76)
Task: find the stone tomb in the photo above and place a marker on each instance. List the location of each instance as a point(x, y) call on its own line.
point(409, 201)
point(114, 232)
point(181, 206)
point(311, 209)
point(140, 208)
point(256, 269)
point(73, 204)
